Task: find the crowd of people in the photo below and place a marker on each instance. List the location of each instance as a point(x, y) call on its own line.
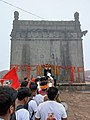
point(35, 99)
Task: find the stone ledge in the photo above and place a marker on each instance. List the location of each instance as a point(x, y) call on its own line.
point(74, 86)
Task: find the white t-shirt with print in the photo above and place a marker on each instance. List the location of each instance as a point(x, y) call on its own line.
point(22, 114)
point(39, 99)
point(32, 106)
point(51, 108)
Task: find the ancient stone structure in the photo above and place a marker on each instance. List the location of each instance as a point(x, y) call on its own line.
point(57, 43)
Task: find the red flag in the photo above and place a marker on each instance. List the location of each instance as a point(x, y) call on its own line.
point(12, 75)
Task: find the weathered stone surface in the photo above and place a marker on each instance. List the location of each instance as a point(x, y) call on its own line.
point(47, 42)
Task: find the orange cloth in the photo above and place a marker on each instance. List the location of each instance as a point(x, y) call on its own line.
point(44, 87)
point(33, 80)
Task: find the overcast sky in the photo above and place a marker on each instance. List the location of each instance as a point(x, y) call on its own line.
point(47, 9)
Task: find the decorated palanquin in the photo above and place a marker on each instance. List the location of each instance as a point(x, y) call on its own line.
point(67, 74)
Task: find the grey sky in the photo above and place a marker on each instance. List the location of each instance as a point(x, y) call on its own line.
point(49, 10)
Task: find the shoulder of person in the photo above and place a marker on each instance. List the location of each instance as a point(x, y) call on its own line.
point(32, 103)
point(22, 110)
point(43, 104)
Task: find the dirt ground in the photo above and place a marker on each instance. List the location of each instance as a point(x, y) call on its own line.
point(78, 105)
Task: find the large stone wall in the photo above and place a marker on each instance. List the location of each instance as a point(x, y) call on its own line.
point(47, 42)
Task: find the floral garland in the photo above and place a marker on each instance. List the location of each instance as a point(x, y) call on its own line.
point(39, 70)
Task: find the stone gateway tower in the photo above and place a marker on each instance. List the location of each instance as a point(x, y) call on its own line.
point(54, 45)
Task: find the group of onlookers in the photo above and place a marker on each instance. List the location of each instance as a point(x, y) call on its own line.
point(38, 99)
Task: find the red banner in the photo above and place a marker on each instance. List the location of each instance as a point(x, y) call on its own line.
point(12, 75)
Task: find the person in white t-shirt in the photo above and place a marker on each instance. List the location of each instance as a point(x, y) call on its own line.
point(42, 96)
point(22, 114)
point(22, 98)
point(44, 87)
point(51, 110)
point(38, 98)
point(32, 105)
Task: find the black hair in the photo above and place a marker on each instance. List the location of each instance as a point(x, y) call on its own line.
point(7, 98)
point(43, 78)
point(24, 83)
point(25, 78)
point(42, 84)
point(52, 92)
point(23, 92)
point(33, 86)
point(37, 79)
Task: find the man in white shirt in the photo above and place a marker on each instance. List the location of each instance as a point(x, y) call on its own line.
point(32, 105)
point(51, 110)
point(22, 98)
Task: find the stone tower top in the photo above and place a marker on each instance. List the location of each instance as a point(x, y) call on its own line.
point(76, 16)
point(16, 15)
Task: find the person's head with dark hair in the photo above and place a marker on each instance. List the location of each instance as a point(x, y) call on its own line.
point(25, 78)
point(52, 93)
point(44, 85)
point(47, 77)
point(23, 92)
point(24, 84)
point(43, 78)
point(37, 79)
point(33, 87)
point(7, 98)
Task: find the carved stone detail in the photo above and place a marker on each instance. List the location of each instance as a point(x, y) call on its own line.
point(76, 16)
point(46, 34)
point(16, 15)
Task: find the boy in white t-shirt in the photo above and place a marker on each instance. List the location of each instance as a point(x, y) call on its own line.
point(51, 110)
point(32, 105)
point(22, 98)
